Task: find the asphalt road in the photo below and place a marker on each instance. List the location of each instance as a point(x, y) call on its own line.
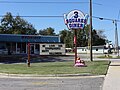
point(52, 83)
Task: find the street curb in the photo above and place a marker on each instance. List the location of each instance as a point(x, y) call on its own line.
point(56, 75)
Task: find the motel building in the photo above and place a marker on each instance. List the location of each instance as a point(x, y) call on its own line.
point(39, 44)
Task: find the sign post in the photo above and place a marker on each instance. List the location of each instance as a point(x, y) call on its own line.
point(28, 62)
point(75, 42)
point(75, 20)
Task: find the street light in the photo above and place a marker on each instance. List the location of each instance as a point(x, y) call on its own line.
point(116, 33)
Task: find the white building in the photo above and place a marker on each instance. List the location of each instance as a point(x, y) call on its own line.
point(95, 49)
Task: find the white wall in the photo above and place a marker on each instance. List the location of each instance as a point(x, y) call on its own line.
point(95, 49)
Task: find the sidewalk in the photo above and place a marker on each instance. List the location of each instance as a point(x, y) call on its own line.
point(112, 79)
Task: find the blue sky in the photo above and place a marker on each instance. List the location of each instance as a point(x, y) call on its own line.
point(103, 8)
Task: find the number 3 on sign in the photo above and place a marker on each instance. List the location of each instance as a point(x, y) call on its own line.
point(76, 14)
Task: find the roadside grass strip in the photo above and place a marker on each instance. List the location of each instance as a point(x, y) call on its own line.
point(55, 68)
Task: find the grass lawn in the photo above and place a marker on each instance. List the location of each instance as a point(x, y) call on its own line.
point(95, 68)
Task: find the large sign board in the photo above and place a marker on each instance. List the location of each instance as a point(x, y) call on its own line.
point(75, 19)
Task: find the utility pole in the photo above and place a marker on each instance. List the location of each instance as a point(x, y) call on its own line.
point(116, 32)
point(91, 58)
point(116, 38)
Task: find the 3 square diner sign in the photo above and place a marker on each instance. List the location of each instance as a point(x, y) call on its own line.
point(75, 19)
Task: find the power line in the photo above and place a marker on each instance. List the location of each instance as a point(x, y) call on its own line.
point(10, 2)
point(60, 16)
point(41, 2)
point(102, 18)
point(37, 16)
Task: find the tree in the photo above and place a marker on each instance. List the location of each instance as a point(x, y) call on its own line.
point(6, 23)
point(98, 38)
point(68, 40)
point(15, 25)
point(47, 31)
point(66, 37)
point(82, 37)
point(63, 34)
point(101, 34)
